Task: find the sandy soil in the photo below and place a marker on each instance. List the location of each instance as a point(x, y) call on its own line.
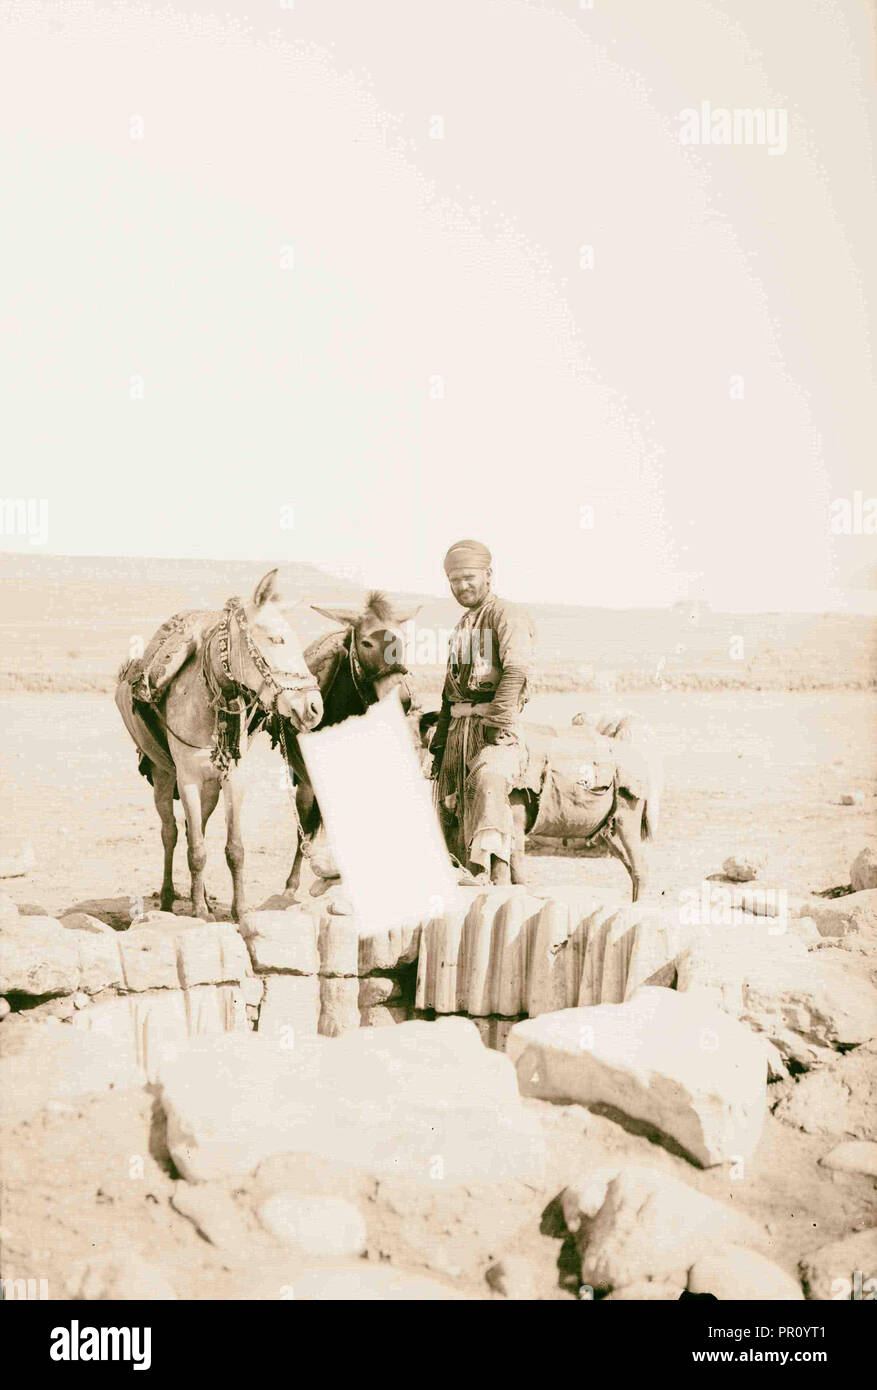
point(741, 769)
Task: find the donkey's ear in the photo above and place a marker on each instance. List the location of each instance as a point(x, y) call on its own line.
point(347, 617)
point(266, 589)
point(409, 617)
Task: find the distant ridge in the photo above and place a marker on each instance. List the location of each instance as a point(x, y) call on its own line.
point(68, 621)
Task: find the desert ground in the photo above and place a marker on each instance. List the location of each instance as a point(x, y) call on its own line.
point(766, 768)
point(762, 769)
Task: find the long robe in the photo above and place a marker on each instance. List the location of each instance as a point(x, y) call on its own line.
point(490, 664)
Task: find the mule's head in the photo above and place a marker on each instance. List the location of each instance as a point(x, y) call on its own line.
point(271, 663)
point(379, 635)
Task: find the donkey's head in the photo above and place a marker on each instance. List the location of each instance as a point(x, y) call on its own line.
point(265, 656)
point(380, 641)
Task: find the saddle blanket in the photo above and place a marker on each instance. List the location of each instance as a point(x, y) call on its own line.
point(168, 651)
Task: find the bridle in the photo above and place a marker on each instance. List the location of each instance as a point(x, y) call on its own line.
point(276, 683)
point(364, 686)
point(231, 688)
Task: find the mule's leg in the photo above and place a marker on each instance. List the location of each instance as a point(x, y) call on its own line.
point(517, 866)
point(209, 797)
point(190, 795)
point(163, 784)
point(234, 845)
point(628, 830)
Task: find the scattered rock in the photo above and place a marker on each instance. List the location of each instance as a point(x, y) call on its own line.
point(856, 1156)
point(316, 1225)
point(855, 913)
point(856, 798)
point(863, 870)
point(802, 1000)
point(733, 1273)
point(118, 1276)
point(743, 867)
point(669, 1061)
point(831, 1271)
point(651, 1226)
point(117, 913)
point(513, 1277)
point(32, 910)
point(83, 921)
point(838, 1098)
point(5, 1007)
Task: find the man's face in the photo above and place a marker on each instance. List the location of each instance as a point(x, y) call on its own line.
point(470, 586)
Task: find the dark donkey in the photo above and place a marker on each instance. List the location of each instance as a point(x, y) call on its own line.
point(354, 668)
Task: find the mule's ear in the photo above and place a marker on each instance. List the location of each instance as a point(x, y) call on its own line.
point(409, 617)
point(266, 589)
point(345, 616)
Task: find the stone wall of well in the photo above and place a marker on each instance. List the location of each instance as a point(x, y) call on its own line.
point(152, 981)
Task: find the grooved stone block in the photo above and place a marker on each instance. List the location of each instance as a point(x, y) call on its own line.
point(509, 952)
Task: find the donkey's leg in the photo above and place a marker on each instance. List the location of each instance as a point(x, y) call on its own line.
point(628, 829)
point(234, 845)
point(190, 795)
point(307, 814)
point(163, 784)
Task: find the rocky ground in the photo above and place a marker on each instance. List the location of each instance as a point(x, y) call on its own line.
point(93, 1196)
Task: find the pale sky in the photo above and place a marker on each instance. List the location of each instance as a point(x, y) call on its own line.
point(246, 310)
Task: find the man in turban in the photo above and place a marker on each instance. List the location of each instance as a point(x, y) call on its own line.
point(479, 755)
